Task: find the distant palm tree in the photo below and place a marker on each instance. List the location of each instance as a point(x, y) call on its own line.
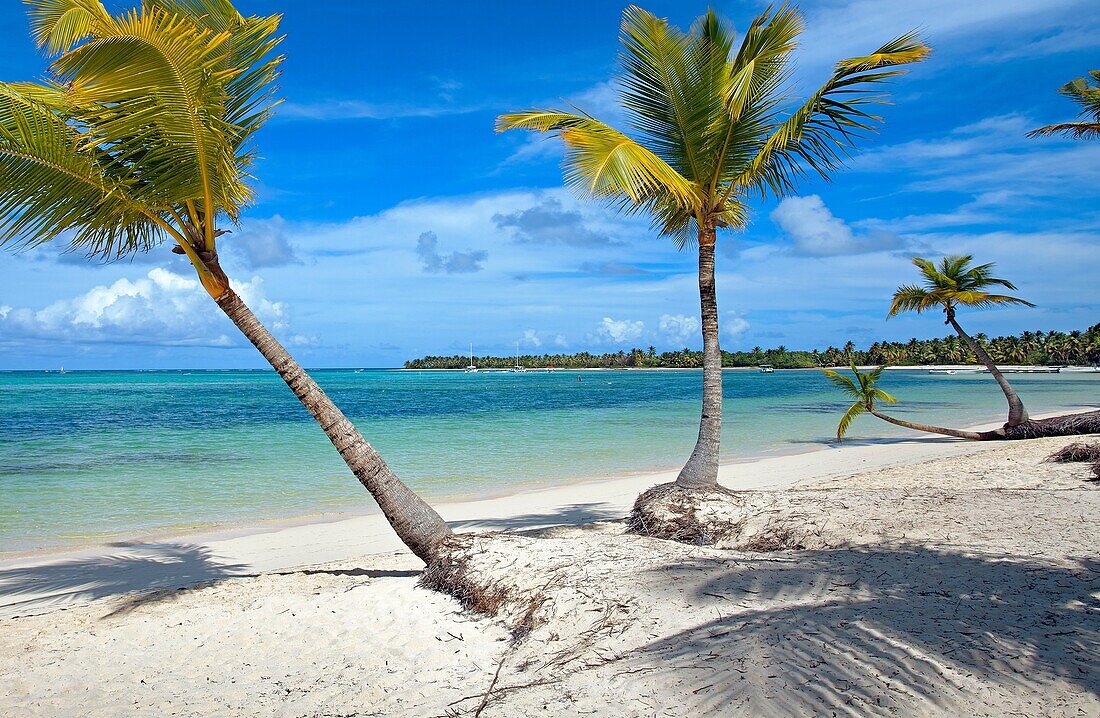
point(713, 127)
point(865, 394)
point(1088, 97)
point(955, 283)
point(144, 134)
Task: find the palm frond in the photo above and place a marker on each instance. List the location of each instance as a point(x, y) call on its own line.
point(154, 89)
point(911, 298)
point(821, 133)
point(51, 187)
point(58, 25)
point(849, 416)
point(843, 383)
point(1089, 99)
point(604, 163)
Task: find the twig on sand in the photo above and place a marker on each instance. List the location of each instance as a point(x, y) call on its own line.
point(492, 685)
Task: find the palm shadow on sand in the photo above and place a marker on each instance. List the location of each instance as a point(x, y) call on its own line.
point(144, 567)
point(867, 631)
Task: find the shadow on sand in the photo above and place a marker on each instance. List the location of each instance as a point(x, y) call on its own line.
point(135, 567)
point(571, 514)
point(867, 631)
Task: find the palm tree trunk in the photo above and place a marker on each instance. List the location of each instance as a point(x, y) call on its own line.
point(1017, 414)
point(701, 469)
point(416, 523)
point(957, 433)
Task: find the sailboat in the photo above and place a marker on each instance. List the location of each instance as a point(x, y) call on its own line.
point(517, 368)
point(471, 368)
point(62, 370)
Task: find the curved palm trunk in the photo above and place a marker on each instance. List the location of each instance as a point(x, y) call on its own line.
point(701, 469)
point(1017, 414)
point(416, 523)
point(957, 433)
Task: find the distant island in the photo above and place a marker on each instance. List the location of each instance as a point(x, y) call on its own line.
point(1028, 348)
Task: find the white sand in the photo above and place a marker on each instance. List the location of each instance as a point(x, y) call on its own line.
point(942, 578)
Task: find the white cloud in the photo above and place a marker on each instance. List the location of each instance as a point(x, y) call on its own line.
point(362, 110)
point(262, 243)
point(559, 340)
point(531, 337)
point(619, 331)
point(817, 233)
point(734, 325)
point(161, 308)
point(678, 328)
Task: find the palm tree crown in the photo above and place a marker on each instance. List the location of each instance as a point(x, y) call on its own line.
point(952, 283)
point(710, 123)
point(1088, 97)
point(863, 391)
point(143, 131)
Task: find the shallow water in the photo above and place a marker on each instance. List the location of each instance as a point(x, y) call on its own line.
point(88, 456)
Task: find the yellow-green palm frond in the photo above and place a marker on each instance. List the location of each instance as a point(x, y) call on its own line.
point(604, 163)
point(51, 185)
point(953, 282)
point(1088, 97)
point(849, 416)
point(154, 90)
point(820, 134)
point(862, 389)
point(911, 298)
point(58, 25)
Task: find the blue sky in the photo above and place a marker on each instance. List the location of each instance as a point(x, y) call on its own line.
point(392, 221)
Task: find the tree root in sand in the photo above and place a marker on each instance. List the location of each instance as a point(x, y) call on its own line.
point(717, 516)
point(1068, 425)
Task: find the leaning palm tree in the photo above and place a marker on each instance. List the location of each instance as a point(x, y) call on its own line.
point(713, 127)
point(1088, 97)
point(954, 283)
point(142, 135)
point(865, 393)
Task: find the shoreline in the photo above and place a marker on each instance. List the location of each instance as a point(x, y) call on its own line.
point(205, 530)
point(258, 549)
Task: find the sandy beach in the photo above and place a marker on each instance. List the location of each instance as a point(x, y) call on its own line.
point(913, 577)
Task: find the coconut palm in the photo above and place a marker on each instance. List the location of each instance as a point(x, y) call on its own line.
point(143, 135)
point(864, 393)
point(712, 127)
point(954, 283)
point(1088, 97)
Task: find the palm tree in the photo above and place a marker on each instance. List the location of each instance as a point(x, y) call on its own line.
point(142, 135)
point(1088, 97)
point(711, 129)
point(864, 393)
point(952, 284)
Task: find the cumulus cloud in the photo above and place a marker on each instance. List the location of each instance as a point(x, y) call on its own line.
point(816, 232)
point(560, 341)
point(161, 308)
point(550, 223)
point(531, 337)
point(263, 243)
point(678, 328)
point(427, 248)
point(619, 331)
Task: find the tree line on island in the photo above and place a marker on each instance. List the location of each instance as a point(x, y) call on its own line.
point(1038, 348)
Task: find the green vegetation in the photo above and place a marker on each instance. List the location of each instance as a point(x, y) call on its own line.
point(1088, 97)
point(710, 125)
point(956, 283)
point(1030, 348)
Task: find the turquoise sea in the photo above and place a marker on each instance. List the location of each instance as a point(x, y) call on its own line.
point(94, 456)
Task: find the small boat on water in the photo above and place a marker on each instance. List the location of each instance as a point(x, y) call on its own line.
point(471, 368)
point(767, 369)
point(1029, 370)
point(518, 368)
point(943, 371)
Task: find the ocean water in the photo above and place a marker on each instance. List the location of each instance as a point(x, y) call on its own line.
point(94, 456)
